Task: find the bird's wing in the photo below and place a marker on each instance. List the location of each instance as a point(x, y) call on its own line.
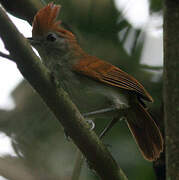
point(110, 74)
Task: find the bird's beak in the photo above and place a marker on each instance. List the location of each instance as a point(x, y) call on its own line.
point(33, 42)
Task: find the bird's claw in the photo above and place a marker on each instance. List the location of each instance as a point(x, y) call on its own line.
point(91, 124)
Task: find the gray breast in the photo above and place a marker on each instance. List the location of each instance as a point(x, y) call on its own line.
point(88, 94)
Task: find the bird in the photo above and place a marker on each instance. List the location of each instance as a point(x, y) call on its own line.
point(94, 85)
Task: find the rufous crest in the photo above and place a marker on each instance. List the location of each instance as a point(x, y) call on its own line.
point(46, 21)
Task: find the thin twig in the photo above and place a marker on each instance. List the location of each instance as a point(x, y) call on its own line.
point(6, 56)
point(148, 67)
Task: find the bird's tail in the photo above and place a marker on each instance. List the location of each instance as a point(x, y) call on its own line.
point(145, 132)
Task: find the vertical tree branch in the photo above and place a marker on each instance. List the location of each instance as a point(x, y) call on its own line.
point(78, 166)
point(171, 87)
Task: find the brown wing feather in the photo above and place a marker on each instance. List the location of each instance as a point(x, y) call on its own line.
point(110, 74)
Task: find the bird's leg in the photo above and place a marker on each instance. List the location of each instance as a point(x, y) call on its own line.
point(90, 121)
point(93, 113)
point(108, 127)
point(121, 115)
point(100, 111)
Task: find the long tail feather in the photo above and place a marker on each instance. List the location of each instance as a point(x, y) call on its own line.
point(145, 132)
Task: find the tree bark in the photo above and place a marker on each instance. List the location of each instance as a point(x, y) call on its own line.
point(171, 87)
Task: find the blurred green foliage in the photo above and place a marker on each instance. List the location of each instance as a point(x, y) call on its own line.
point(156, 5)
point(36, 135)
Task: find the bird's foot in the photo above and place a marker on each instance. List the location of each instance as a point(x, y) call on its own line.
point(91, 124)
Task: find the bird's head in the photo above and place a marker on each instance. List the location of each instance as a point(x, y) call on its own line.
point(48, 33)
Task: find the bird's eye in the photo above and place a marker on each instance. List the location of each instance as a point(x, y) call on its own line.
point(51, 37)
